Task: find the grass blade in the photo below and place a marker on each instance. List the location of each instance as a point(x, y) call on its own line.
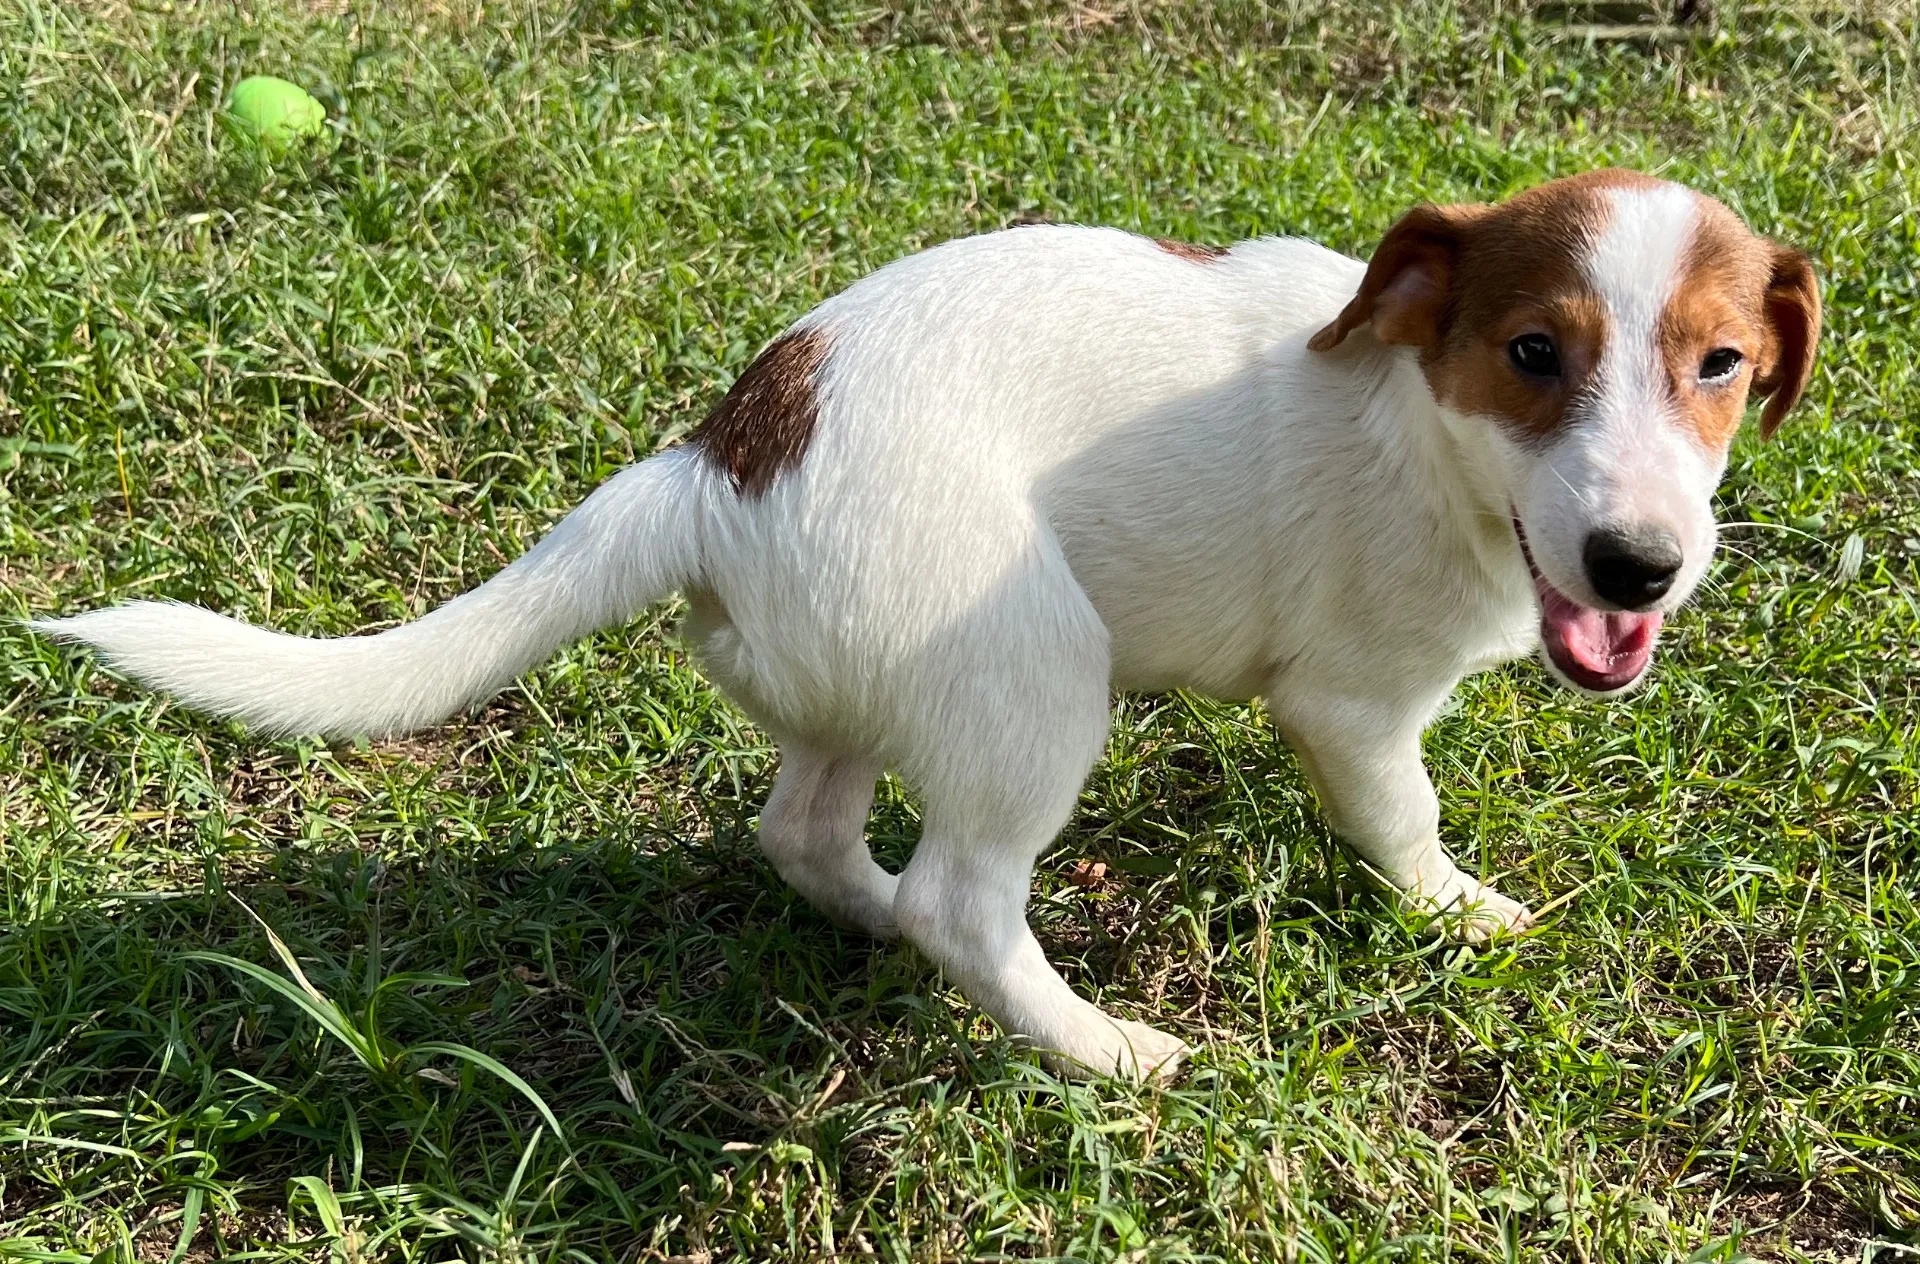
point(495, 1067)
point(310, 1001)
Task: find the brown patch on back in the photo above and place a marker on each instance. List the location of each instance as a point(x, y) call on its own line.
point(1191, 251)
point(762, 427)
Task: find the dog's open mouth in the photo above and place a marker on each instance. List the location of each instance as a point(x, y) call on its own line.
point(1600, 650)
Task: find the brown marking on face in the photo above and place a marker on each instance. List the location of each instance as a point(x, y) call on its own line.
point(1461, 282)
point(1521, 269)
point(1190, 251)
point(762, 427)
point(1718, 304)
point(1740, 292)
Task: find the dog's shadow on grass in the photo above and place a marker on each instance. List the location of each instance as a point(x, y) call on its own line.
point(683, 1017)
point(634, 975)
point(665, 991)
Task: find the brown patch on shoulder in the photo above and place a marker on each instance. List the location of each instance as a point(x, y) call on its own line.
point(763, 426)
point(1192, 252)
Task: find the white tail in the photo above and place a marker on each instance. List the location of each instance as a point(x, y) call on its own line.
point(630, 543)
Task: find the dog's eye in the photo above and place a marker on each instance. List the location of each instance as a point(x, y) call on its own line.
point(1720, 364)
point(1534, 354)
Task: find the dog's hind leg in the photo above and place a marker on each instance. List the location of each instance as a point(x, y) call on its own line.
point(963, 902)
point(1018, 743)
point(813, 829)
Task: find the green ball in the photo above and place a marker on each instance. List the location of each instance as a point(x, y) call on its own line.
point(273, 113)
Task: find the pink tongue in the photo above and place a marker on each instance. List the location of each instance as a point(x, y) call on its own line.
point(1599, 650)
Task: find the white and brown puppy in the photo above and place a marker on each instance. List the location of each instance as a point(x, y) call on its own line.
point(950, 510)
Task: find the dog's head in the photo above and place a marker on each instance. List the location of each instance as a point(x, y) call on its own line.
point(1605, 332)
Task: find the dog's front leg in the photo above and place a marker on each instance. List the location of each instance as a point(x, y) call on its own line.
point(1363, 758)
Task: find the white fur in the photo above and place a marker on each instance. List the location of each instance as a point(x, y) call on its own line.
point(1049, 463)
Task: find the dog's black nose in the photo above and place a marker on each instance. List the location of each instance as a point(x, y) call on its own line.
point(1632, 569)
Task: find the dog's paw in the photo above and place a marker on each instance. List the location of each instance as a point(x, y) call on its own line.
point(1126, 1050)
point(1150, 1054)
point(1471, 911)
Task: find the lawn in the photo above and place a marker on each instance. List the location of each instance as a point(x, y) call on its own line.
point(520, 987)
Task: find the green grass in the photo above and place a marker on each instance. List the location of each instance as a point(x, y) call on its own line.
point(555, 1006)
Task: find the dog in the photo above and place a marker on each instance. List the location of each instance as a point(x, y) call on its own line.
point(940, 518)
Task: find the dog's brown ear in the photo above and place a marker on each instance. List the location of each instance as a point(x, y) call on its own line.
point(1406, 290)
point(1793, 332)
